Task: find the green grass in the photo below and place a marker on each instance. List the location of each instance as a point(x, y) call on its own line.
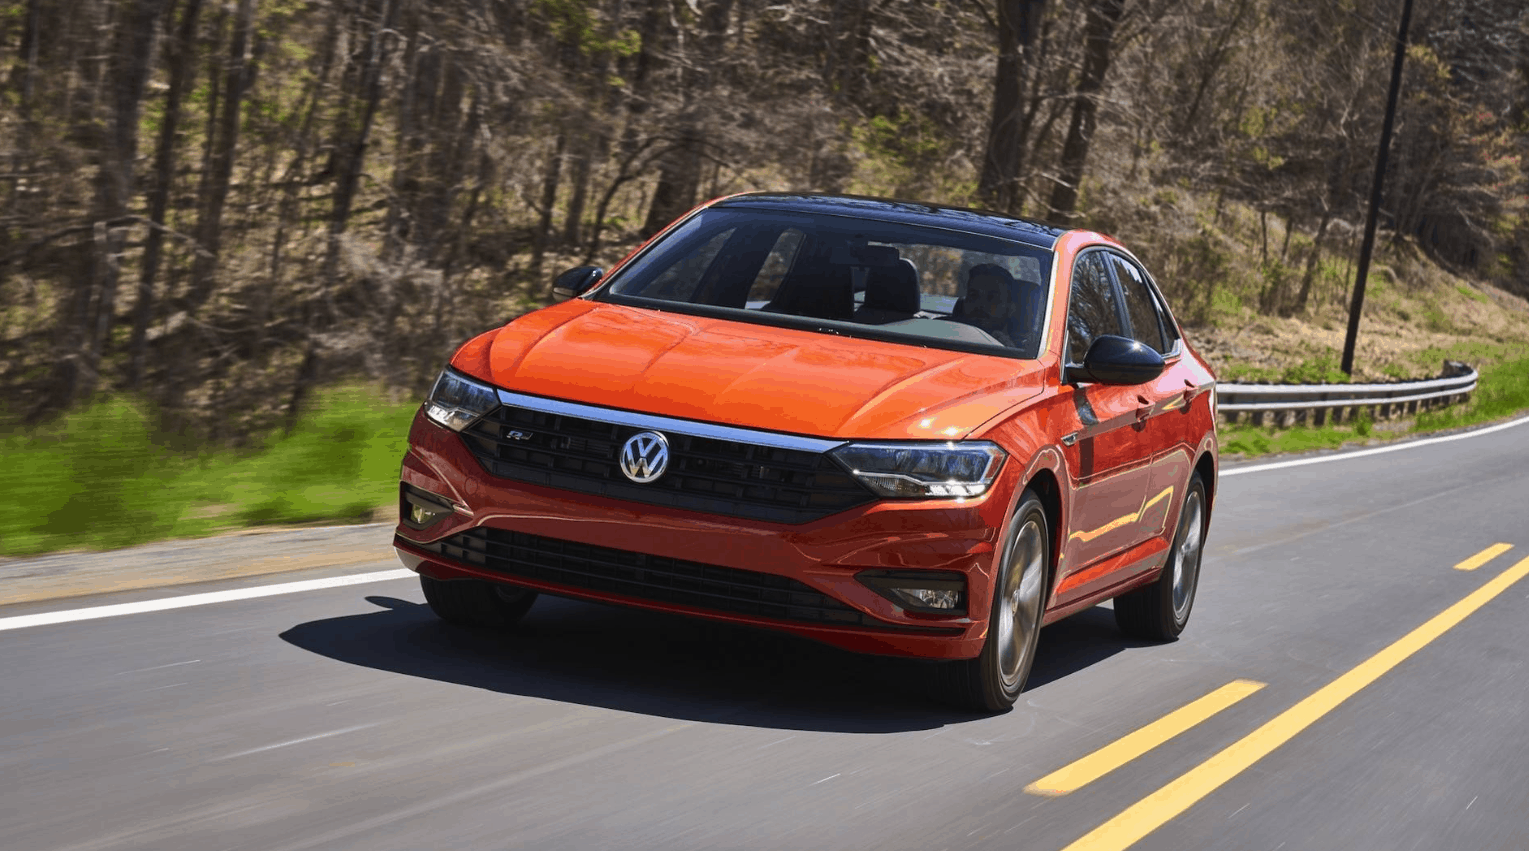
point(1472, 293)
point(99, 479)
point(1502, 392)
point(1252, 441)
point(1320, 367)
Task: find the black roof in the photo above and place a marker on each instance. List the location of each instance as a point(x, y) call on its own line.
point(1027, 231)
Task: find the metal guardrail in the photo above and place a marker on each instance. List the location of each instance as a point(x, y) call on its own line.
point(1341, 401)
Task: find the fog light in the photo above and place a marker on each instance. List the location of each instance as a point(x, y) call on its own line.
point(422, 516)
point(927, 592)
point(934, 599)
point(422, 509)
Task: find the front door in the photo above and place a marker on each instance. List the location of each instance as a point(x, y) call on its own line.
point(1108, 457)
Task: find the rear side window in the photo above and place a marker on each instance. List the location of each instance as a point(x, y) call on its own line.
point(1146, 323)
point(1093, 310)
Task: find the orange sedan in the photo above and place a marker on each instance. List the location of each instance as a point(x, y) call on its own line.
point(893, 427)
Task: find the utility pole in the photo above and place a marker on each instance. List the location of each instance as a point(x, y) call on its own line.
point(1365, 248)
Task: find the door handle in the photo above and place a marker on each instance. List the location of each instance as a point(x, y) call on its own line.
point(1191, 392)
point(1143, 409)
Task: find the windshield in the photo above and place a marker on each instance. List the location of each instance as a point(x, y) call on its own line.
point(847, 276)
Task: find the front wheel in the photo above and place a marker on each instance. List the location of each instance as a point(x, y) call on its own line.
point(475, 603)
point(1159, 611)
point(992, 681)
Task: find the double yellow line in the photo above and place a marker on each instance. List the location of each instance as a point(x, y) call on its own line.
point(1155, 810)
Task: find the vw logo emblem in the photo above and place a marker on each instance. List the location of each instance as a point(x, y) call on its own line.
point(645, 456)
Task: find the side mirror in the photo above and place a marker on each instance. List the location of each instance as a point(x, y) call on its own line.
point(575, 282)
point(1117, 360)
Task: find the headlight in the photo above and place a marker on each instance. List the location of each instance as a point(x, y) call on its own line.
point(922, 470)
point(457, 401)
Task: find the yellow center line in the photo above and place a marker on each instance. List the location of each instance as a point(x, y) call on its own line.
point(1483, 557)
point(1078, 774)
point(1155, 810)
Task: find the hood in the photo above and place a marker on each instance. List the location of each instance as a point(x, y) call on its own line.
point(755, 376)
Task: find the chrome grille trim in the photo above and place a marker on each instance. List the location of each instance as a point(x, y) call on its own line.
point(670, 425)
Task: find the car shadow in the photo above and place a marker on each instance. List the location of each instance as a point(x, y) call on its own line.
point(669, 666)
point(1078, 642)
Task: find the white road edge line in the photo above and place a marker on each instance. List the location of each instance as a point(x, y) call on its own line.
point(163, 604)
point(1379, 450)
point(187, 600)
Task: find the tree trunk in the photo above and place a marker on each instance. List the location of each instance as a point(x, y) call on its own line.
point(680, 165)
point(627, 171)
point(850, 51)
point(287, 209)
point(26, 76)
point(354, 157)
point(1210, 68)
point(209, 231)
point(95, 306)
point(1098, 45)
point(678, 172)
point(550, 179)
point(1303, 298)
point(1003, 161)
point(1263, 235)
point(585, 147)
point(451, 143)
point(406, 145)
point(179, 55)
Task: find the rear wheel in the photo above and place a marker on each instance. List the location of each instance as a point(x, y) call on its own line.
point(474, 603)
point(992, 681)
point(1160, 610)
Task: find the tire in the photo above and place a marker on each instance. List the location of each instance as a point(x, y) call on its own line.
point(992, 681)
point(1160, 611)
point(474, 603)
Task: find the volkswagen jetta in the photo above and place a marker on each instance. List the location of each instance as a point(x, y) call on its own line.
point(893, 427)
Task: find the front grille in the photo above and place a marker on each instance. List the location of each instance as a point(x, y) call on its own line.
point(705, 474)
point(652, 578)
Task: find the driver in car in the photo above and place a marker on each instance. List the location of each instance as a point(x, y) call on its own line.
point(989, 301)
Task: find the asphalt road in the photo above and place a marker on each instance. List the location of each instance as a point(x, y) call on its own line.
point(349, 718)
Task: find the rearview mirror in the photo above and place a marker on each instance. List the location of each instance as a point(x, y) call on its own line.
point(1117, 360)
point(575, 282)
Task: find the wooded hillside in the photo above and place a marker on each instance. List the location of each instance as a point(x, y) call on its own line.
point(221, 206)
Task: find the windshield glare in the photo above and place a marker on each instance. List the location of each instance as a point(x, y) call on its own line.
point(848, 276)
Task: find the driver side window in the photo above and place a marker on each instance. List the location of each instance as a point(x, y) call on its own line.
point(1093, 309)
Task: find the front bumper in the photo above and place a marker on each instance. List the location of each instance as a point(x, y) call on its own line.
point(795, 578)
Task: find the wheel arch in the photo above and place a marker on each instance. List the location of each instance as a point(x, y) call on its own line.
point(1047, 487)
point(1206, 467)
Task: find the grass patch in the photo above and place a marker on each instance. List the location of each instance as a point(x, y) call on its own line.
point(1320, 368)
point(1472, 293)
point(101, 478)
point(1252, 441)
point(1502, 391)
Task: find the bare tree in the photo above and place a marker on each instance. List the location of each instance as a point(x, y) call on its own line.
point(1098, 44)
point(1009, 129)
